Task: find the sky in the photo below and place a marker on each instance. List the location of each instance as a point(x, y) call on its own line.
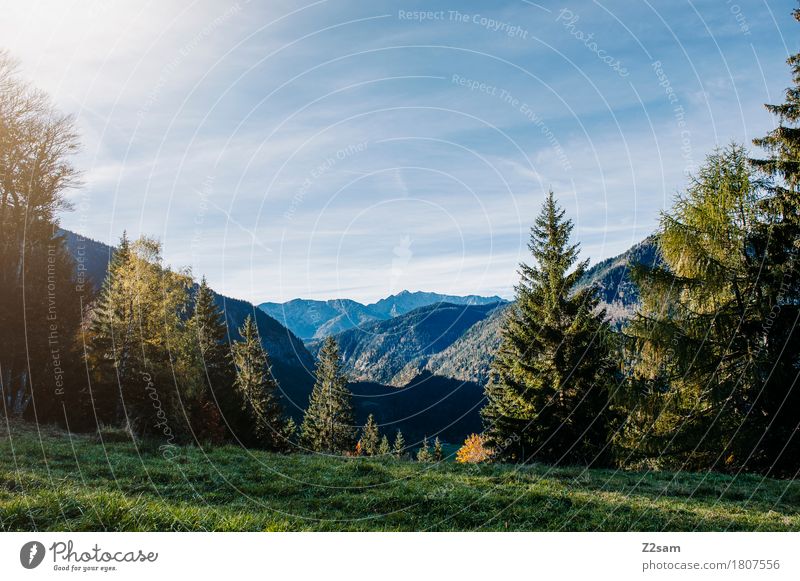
point(336, 149)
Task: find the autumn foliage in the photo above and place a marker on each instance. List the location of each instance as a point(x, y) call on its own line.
point(474, 450)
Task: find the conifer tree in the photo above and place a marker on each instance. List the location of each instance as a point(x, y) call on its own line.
point(694, 337)
point(136, 340)
point(258, 389)
point(438, 454)
point(370, 438)
point(384, 449)
point(328, 421)
point(215, 403)
point(399, 447)
point(424, 453)
point(774, 418)
point(548, 392)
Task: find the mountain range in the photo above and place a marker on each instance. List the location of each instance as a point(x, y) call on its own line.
point(311, 319)
point(417, 360)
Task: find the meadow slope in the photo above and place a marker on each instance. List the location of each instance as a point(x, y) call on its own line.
point(52, 480)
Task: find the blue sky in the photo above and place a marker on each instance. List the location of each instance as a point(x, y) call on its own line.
point(353, 149)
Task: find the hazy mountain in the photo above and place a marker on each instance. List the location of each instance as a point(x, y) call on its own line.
point(392, 352)
point(309, 319)
point(292, 364)
point(405, 302)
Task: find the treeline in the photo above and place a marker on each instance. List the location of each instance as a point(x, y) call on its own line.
point(705, 376)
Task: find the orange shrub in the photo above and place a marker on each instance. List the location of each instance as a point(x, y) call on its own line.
point(474, 450)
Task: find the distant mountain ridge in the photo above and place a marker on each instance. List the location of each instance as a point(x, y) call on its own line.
point(312, 319)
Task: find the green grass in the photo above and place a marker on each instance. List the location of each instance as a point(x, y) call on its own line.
point(51, 480)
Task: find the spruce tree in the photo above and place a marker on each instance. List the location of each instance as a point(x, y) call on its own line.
point(216, 402)
point(774, 418)
point(384, 449)
point(548, 392)
point(438, 454)
point(399, 447)
point(424, 453)
point(370, 438)
point(328, 421)
point(258, 389)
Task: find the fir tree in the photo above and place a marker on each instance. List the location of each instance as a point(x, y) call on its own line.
point(774, 418)
point(399, 447)
point(258, 389)
point(217, 404)
point(438, 454)
point(384, 449)
point(548, 392)
point(424, 453)
point(370, 438)
point(328, 421)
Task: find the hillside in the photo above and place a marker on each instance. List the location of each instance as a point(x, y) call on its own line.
point(616, 289)
point(311, 320)
point(382, 351)
point(292, 364)
point(54, 481)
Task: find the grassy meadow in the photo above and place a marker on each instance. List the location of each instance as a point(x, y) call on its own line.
point(51, 480)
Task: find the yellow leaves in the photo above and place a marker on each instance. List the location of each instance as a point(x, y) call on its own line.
point(474, 450)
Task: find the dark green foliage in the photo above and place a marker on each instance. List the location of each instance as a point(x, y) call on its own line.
point(328, 423)
point(695, 339)
point(549, 390)
point(258, 391)
point(40, 296)
point(775, 416)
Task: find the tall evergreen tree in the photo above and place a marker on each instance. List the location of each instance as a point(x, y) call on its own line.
point(215, 404)
point(136, 339)
point(328, 421)
point(548, 392)
point(370, 437)
point(258, 390)
point(695, 339)
point(775, 418)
